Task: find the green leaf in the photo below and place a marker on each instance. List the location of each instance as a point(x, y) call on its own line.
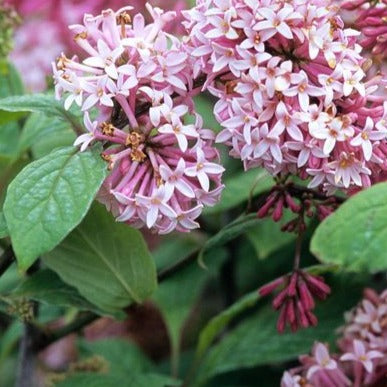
point(91, 379)
point(126, 364)
point(45, 286)
point(240, 188)
point(255, 340)
point(230, 232)
point(9, 141)
point(173, 249)
point(43, 133)
point(3, 226)
point(204, 104)
point(48, 198)
point(267, 237)
point(101, 380)
point(123, 357)
point(176, 296)
point(219, 322)
point(107, 262)
point(10, 84)
point(43, 103)
point(10, 81)
point(355, 236)
point(9, 339)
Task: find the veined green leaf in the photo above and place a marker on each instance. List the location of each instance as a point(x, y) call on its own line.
point(48, 198)
point(107, 262)
point(355, 236)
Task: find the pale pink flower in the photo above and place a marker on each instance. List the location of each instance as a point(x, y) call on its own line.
point(181, 131)
point(276, 22)
point(175, 179)
point(348, 170)
point(289, 380)
point(84, 140)
point(105, 58)
point(381, 125)
point(323, 360)
point(288, 122)
point(367, 135)
point(222, 27)
point(371, 315)
point(353, 81)
point(360, 354)
point(202, 169)
point(98, 93)
point(155, 203)
point(334, 131)
point(303, 90)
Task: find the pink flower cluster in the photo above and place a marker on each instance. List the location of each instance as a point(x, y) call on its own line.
point(362, 360)
point(290, 82)
point(44, 31)
point(163, 164)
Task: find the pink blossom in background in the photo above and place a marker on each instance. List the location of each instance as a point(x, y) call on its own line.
point(362, 360)
point(291, 86)
point(44, 32)
point(370, 19)
point(164, 167)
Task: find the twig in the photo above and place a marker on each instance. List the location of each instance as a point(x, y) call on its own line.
point(299, 191)
point(83, 319)
point(27, 357)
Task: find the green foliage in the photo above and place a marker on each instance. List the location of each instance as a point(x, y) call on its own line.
point(126, 366)
point(219, 322)
point(43, 103)
point(107, 262)
point(355, 236)
point(49, 198)
point(9, 142)
point(10, 84)
point(3, 226)
point(204, 104)
point(241, 187)
point(177, 296)
point(122, 356)
point(261, 235)
point(43, 133)
point(230, 232)
point(101, 380)
point(46, 287)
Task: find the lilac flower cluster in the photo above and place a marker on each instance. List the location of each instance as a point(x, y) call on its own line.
point(362, 360)
point(164, 167)
point(290, 82)
point(44, 31)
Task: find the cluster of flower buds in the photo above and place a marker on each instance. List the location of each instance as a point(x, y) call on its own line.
point(371, 19)
point(300, 201)
point(290, 81)
point(163, 164)
point(362, 360)
point(296, 300)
